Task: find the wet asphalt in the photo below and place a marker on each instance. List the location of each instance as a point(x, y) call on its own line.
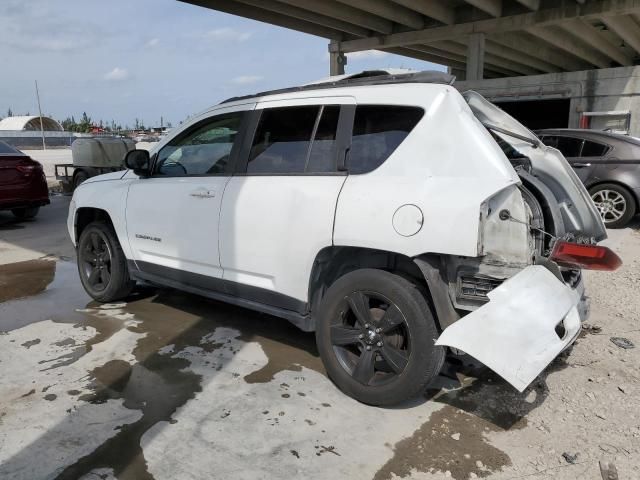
point(171, 385)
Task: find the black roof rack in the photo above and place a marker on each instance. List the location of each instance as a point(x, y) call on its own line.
point(369, 77)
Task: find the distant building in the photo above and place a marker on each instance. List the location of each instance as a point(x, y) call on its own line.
point(29, 123)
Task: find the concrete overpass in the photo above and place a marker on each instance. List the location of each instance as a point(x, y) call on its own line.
point(476, 38)
point(572, 62)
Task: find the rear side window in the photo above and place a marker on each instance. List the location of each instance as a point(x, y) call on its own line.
point(570, 147)
point(6, 149)
point(594, 149)
point(377, 131)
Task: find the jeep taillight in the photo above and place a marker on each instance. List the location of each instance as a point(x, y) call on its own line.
point(590, 257)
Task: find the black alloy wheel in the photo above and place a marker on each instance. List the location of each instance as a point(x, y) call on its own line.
point(95, 261)
point(371, 339)
point(376, 336)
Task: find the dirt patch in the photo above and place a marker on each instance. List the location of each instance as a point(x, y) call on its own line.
point(452, 440)
point(25, 279)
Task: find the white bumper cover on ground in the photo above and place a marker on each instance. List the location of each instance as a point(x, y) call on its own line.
point(515, 333)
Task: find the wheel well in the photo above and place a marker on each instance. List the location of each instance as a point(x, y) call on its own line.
point(87, 215)
point(636, 201)
point(332, 263)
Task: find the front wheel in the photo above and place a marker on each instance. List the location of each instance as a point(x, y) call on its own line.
point(376, 336)
point(615, 204)
point(102, 265)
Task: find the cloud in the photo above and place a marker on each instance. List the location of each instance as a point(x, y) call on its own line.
point(246, 79)
point(152, 43)
point(227, 34)
point(117, 74)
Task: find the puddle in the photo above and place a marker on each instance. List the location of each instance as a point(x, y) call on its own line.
point(24, 279)
point(38, 290)
point(158, 383)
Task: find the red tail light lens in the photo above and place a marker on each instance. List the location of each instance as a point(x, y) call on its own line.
point(28, 168)
point(590, 257)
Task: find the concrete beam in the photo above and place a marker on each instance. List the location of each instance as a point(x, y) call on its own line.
point(475, 57)
point(235, 8)
point(462, 48)
point(492, 7)
point(567, 42)
point(530, 4)
point(306, 15)
point(345, 13)
point(545, 17)
point(514, 54)
point(626, 28)
point(592, 36)
point(337, 61)
point(536, 48)
point(390, 11)
point(437, 9)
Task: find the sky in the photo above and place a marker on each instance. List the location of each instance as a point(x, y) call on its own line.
point(126, 59)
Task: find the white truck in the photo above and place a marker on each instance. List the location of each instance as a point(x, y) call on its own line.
point(390, 214)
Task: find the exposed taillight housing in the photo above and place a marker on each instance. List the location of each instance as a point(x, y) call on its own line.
point(589, 257)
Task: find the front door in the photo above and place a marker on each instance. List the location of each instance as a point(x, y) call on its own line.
point(172, 216)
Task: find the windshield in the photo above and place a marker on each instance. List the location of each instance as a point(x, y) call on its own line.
point(494, 118)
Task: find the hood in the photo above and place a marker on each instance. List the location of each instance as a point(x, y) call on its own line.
point(549, 165)
point(106, 177)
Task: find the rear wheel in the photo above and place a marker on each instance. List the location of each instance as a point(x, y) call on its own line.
point(25, 212)
point(80, 177)
point(102, 265)
point(376, 335)
point(615, 204)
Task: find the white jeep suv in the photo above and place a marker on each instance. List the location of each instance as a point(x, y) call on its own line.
point(390, 214)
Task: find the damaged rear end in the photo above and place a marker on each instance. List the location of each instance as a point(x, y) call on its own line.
point(524, 293)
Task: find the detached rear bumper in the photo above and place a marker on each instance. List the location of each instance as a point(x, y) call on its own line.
point(529, 320)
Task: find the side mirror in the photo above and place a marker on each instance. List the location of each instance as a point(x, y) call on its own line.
point(138, 161)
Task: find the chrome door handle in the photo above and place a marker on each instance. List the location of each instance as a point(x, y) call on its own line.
point(203, 193)
point(580, 165)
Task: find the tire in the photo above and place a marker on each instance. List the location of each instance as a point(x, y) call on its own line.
point(25, 212)
point(615, 204)
point(102, 265)
point(401, 334)
point(80, 177)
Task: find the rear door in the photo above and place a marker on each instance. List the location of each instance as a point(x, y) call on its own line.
point(278, 210)
point(172, 217)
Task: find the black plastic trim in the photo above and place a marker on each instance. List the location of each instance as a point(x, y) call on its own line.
point(436, 277)
point(254, 298)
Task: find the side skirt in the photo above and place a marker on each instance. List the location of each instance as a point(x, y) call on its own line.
point(217, 289)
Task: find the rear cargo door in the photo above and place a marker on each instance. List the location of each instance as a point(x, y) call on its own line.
point(549, 165)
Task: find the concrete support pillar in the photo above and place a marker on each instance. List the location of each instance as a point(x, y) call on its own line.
point(475, 56)
point(337, 61)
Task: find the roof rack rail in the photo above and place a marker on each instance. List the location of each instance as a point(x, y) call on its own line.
point(370, 77)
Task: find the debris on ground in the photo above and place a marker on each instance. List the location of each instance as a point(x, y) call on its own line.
point(622, 342)
point(608, 471)
point(570, 457)
point(592, 329)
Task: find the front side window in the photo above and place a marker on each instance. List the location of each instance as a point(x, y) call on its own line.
point(205, 150)
point(377, 131)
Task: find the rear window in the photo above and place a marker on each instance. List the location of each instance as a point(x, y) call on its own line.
point(377, 131)
point(594, 149)
point(6, 149)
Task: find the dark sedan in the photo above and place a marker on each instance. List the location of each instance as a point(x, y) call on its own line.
point(23, 186)
point(609, 166)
